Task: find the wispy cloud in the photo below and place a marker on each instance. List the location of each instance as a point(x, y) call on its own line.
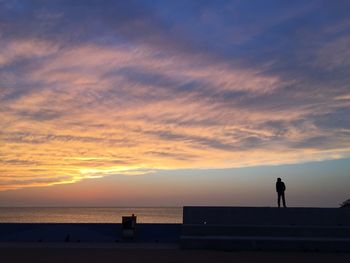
point(88, 89)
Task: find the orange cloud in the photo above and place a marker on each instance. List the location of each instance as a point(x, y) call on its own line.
point(89, 111)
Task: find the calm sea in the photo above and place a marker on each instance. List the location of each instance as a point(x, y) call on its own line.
point(89, 214)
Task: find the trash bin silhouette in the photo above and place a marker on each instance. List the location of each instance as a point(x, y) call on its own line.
point(129, 227)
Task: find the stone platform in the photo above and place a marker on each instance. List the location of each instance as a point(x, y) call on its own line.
point(265, 228)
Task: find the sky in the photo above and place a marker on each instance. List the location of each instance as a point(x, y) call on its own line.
point(171, 103)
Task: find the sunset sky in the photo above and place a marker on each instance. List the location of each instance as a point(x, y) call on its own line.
point(170, 103)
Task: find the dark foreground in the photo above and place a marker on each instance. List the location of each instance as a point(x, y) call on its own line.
point(154, 255)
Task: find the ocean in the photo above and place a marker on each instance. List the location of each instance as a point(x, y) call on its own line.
point(89, 214)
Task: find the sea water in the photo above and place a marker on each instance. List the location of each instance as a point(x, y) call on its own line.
point(89, 214)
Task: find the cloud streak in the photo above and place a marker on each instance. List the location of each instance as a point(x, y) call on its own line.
point(91, 90)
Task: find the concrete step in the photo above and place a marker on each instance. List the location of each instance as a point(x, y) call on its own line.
point(302, 216)
point(273, 231)
point(232, 243)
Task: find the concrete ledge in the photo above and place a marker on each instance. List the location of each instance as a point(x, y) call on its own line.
point(273, 231)
point(86, 232)
point(109, 245)
point(266, 243)
point(265, 228)
point(266, 216)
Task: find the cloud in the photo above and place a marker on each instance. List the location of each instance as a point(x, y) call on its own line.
point(22, 49)
point(90, 89)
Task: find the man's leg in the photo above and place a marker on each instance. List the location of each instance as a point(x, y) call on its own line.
point(279, 199)
point(283, 200)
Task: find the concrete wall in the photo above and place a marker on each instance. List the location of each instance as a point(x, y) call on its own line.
point(85, 232)
point(265, 228)
point(266, 216)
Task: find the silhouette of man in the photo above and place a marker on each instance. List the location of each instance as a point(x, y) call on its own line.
point(280, 188)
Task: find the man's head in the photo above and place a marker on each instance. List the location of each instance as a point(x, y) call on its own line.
point(279, 180)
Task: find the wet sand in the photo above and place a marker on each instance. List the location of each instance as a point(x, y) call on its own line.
point(153, 255)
